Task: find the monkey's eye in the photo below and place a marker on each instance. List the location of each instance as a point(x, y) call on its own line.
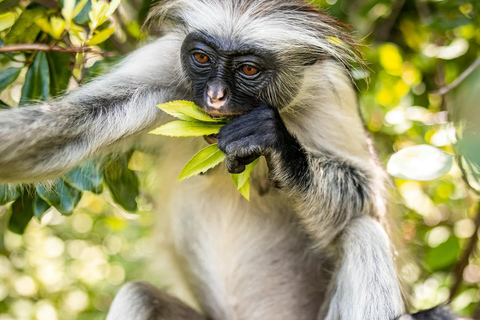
point(201, 57)
point(249, 70)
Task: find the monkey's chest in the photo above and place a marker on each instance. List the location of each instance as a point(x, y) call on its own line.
point(244, 260)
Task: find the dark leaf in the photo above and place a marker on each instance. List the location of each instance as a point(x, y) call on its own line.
point(37, 80)
point(3, 105)
point(62, 196)
point(123, 183)
point(7, 77)
point(60, 72)
point(8, 194)
point(21, 213)
point(40, 206)
point(82, 17)
point(25, 30)
point(86, 177)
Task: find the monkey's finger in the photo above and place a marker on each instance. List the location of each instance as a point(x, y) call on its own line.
point(234, 165)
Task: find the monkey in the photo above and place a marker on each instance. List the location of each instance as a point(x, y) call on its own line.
point(313, 241)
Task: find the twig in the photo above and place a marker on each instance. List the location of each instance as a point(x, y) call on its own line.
point(48, 48)
point(459, 80)
point(463, 262)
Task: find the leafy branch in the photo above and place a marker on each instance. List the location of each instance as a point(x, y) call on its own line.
point(49, 48)
point(459, 80)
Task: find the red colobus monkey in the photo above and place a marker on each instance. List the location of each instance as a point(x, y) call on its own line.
point(311, 247)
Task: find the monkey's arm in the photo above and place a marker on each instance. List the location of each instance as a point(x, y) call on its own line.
point(46, 140)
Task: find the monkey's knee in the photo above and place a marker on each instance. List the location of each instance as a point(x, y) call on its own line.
point(142, 301)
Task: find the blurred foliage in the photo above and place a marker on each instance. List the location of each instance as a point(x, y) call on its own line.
point(70, 267)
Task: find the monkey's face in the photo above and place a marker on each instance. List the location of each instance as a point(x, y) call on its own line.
point(228, 79)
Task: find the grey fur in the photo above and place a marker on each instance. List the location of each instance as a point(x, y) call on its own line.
point(315, 249)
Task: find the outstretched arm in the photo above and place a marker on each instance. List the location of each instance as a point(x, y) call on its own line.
point(43, 141)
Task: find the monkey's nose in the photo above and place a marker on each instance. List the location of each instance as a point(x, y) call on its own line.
point(217, 94)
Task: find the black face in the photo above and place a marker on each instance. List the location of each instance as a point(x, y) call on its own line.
point(227, 78)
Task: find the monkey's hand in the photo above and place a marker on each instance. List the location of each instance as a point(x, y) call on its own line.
point(263, 133)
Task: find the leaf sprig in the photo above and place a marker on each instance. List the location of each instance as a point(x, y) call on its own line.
point(193, 122)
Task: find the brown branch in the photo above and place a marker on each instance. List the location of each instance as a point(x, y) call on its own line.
point(464, 260)
point(459, 80)
point(49, 48)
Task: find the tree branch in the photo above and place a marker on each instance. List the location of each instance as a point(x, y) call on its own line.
point(48, 48)
point(459, 80)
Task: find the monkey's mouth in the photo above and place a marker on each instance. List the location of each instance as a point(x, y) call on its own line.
point(215, 114)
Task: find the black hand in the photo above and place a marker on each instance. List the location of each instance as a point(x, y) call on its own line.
point(261, 132)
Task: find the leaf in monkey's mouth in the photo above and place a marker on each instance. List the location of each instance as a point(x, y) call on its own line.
point(194, 122)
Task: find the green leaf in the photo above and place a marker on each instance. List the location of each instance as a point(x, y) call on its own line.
point(188, 109)
point(86, 177)
point(123, 183)
point(420, 163)
point(204, 160)
point(8, 194)
point(6, 20)
point(59, 72)
point(8, 76)
point(3, 105)
point(444, 255)
point(21, 213)
point(82, 16)
point(242, 180)
point(245, 190)
point(25, 30)
point(63, 197)
point(112, 7)
point(79, 7)
point(101, 36)
point(188, 129)
point(37, 80)
point(39, 207)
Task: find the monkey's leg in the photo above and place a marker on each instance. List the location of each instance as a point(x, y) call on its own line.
point(365, 284)
point(142, 301)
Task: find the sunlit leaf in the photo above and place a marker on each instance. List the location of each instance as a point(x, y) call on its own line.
point(68, 6)
point(204, 160)
point(112, 7)
point(187, 129)
point(187, 110)
point(25, 29)
point(101, 36)
point(420, 163)
point(242, 180)
point(57, 27)
point(7, 20)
